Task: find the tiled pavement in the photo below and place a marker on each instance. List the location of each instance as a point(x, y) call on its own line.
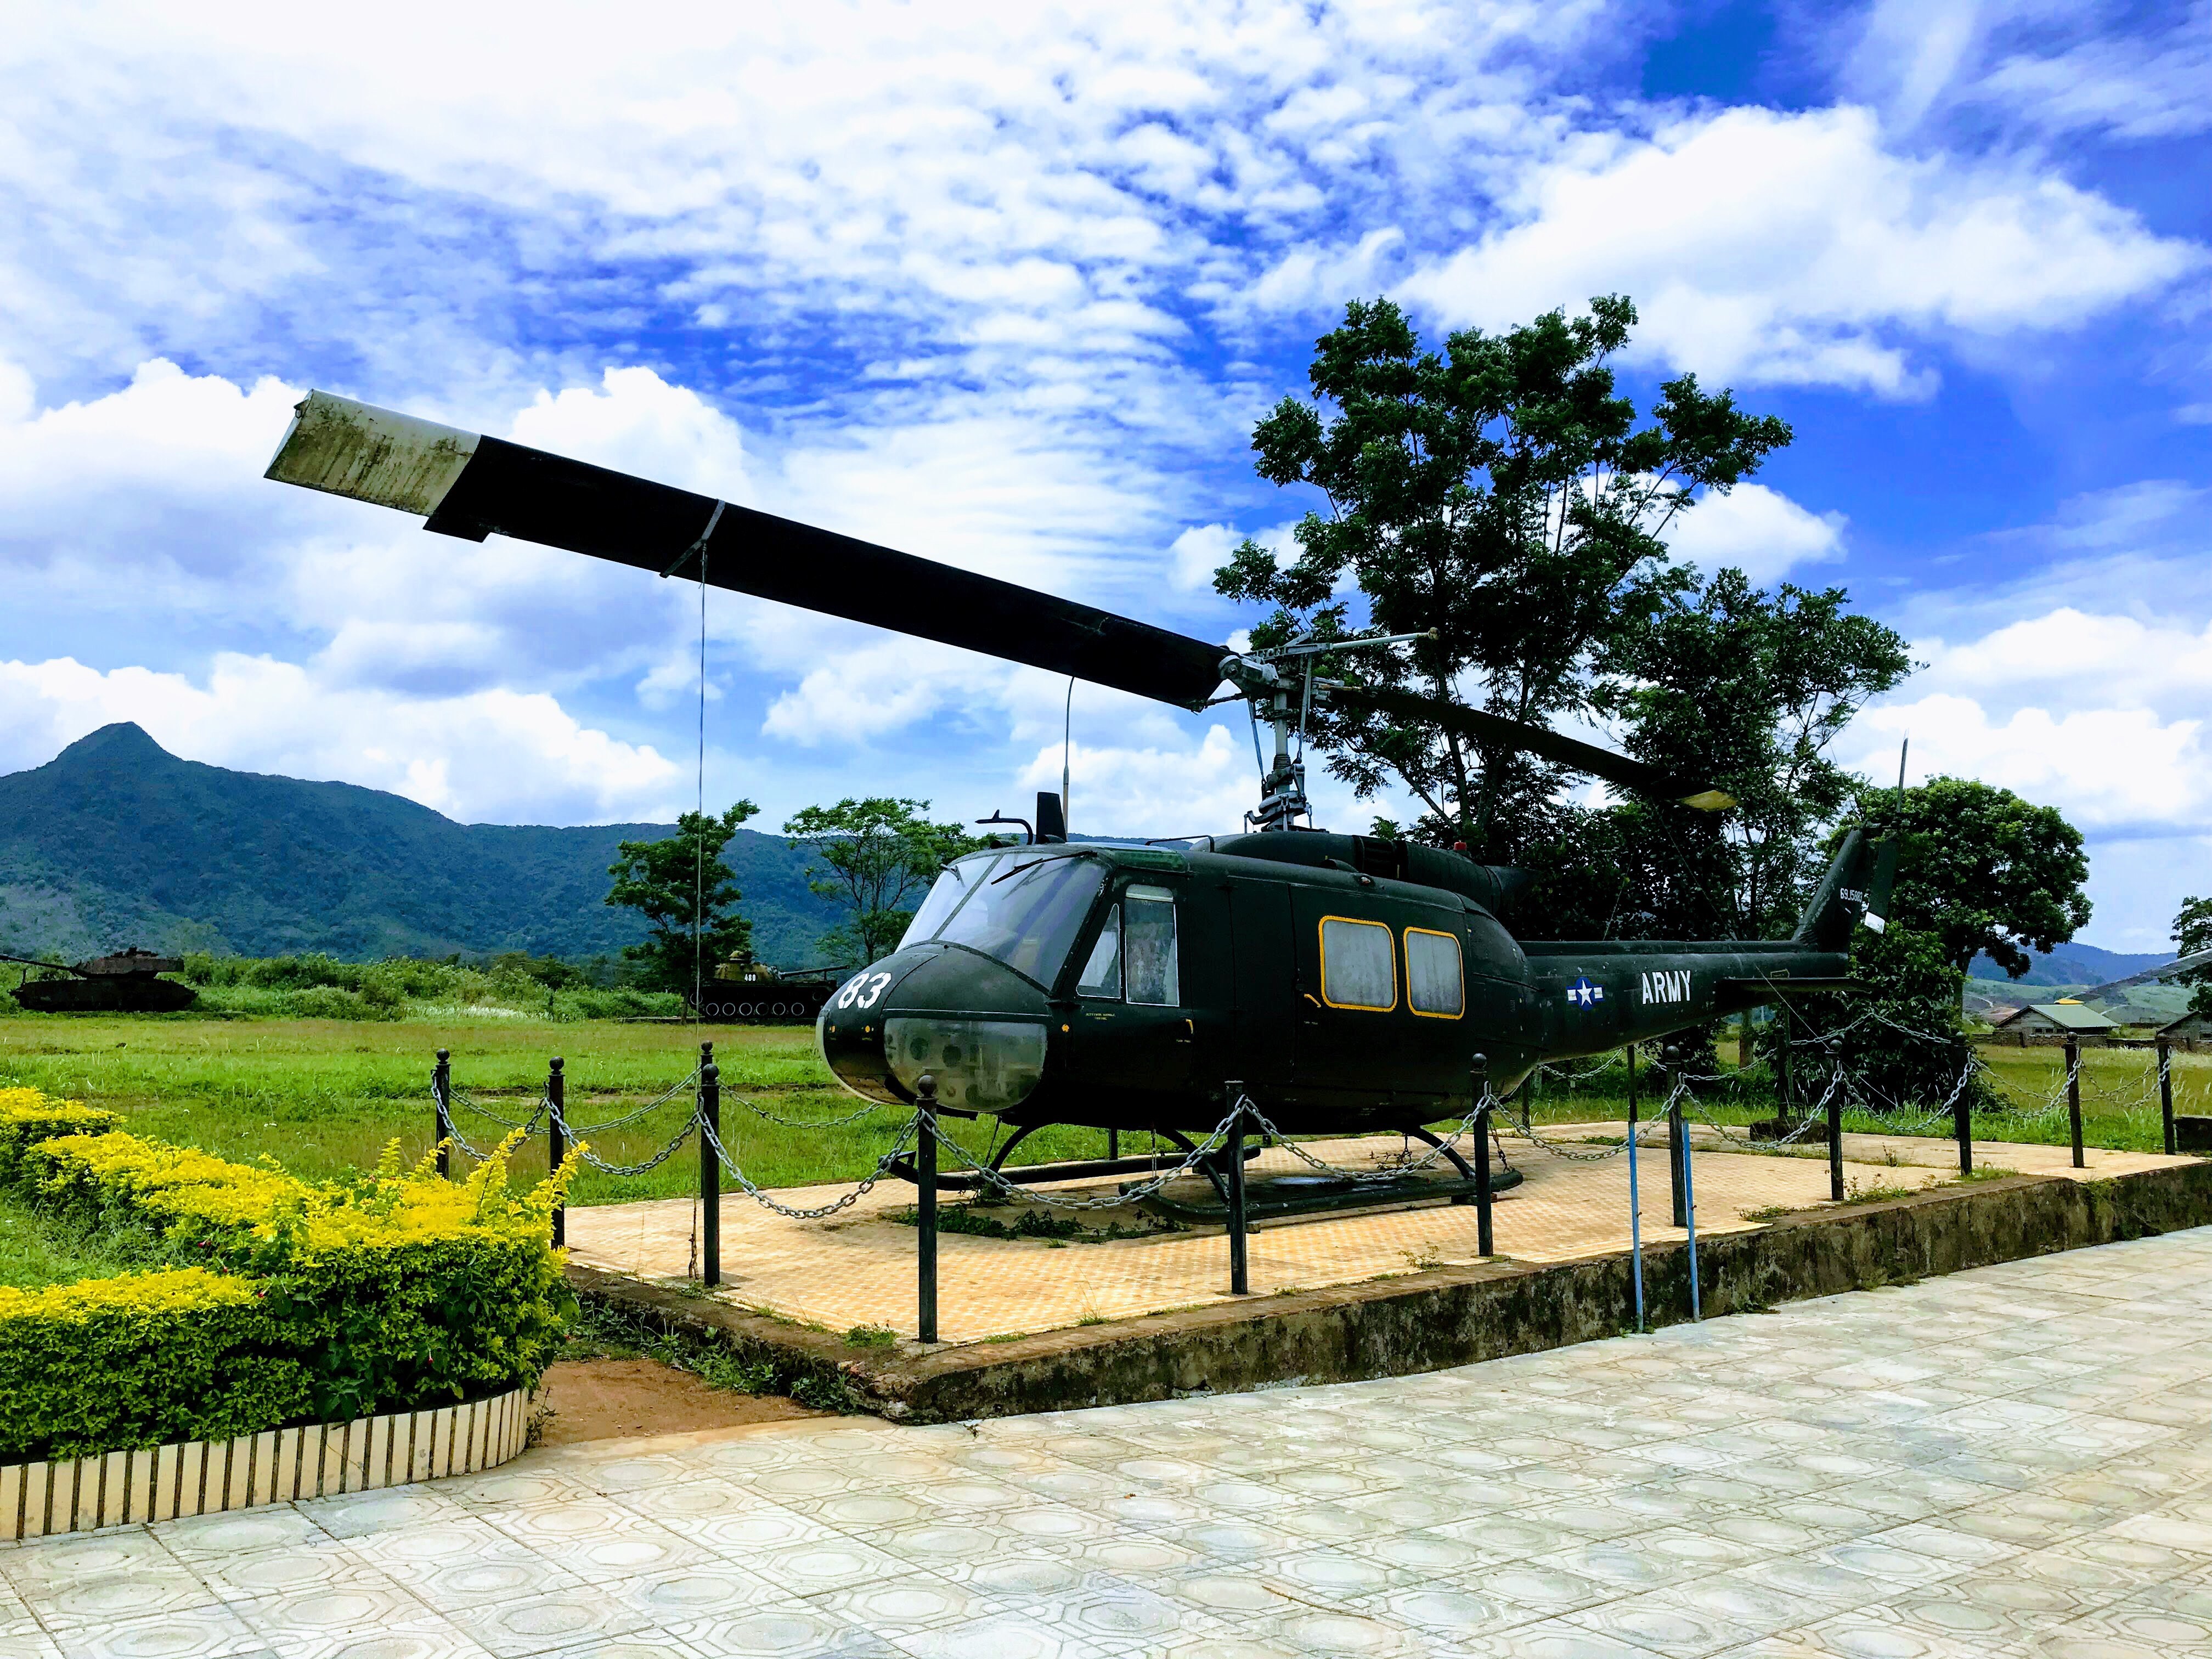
point(857, 1269)
point(2010, 1461)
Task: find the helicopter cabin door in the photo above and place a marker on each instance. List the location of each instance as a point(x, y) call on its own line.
point(1381, 997)
point(1131, 1023)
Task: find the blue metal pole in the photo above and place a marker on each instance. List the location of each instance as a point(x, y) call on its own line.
point(1690, 1224)
point(1635, 1202)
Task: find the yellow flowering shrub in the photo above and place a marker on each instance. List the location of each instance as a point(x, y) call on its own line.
point(135, 1360)
point(398, 1290)
point(28, 1117)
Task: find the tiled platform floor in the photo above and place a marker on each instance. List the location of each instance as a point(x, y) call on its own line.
point(859, 1268)
point(2012, 1462)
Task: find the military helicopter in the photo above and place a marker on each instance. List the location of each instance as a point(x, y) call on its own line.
point(1345, 984)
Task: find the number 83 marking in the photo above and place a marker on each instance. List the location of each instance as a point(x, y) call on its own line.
point(851, 996)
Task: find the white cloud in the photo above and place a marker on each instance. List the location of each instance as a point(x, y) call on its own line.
point(2103, 716)
point(1200, 551)
point(1760, 532)
point(496, 756)
point(2105, 769)
point(639, 423)
point(2046, 66)
point(1796, 247)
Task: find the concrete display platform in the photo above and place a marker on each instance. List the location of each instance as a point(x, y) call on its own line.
point(857, 1268)
point(1036, 1325)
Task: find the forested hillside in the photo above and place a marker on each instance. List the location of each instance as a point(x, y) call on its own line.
point(117, 842)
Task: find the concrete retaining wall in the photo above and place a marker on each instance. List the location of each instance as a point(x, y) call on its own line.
point(1451, 1316)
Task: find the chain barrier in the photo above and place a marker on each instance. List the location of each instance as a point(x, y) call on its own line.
point(759, 1194)
point(528, 1128)
point(1525, 1127)
point(582, 1149)
point(998, 1182)
point(762, 1113)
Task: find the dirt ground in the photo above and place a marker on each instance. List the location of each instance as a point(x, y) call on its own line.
point(617, 1399)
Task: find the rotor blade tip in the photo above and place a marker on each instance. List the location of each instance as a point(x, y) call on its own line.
point(1710, 800)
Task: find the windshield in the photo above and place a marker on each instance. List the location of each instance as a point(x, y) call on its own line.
point(954, 883)
point(1023, 908)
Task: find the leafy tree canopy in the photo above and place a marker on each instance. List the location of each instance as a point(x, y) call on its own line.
point(688, 898)
point(1981, 870)
point(1501, 494)
point(1978, 870)
point(875, 857)
point(2192, 932)
point(1747, 691)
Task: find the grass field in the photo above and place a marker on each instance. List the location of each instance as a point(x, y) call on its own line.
point(323, 1096)
point(36, 1250)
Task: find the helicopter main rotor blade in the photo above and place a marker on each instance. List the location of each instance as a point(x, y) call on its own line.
point(1495, 729)
point(469, 485)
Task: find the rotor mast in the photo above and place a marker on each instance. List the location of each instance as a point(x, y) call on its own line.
point(1261, 677)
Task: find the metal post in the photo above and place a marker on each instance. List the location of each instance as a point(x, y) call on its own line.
point(556, 1143)
point(1836, 1144)
point(710, 1167)
point(2166, 1091)
point(1690, 1231)
point(1678, 1136)
point(1240, 1275)
point(2074, 1096)
point(1485, 1242)
point(1785, 1090)
point(1113, 1143)
point(1962, 1126)
point(442, 1091)
point(1635, 1199)
point(925, 1158)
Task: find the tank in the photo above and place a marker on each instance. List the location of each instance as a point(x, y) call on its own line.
point(744, 992)
point(126, 983)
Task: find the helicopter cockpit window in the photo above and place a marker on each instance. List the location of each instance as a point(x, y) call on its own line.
point(1358, 965)
point(1150, 965)
point(1435, 984)
point(1101, 975)
point(954, 883)
point(1026, 911)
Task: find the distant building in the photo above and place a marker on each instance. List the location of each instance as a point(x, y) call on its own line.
point(2054, 1023)
point(2192, 1031)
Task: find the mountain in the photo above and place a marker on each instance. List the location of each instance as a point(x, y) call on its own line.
point(2075, 964)
point(117, 842)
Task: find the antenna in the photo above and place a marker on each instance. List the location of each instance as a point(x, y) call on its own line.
point(1902, 749)
point(1067, 743)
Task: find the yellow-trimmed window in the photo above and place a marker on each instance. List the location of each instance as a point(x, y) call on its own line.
point(1435, 982)
point(1358, 965)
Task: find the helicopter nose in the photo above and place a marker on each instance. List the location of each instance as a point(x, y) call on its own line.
point(978, 1029)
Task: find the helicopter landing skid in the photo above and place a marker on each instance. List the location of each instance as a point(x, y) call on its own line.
point(1314, 1193)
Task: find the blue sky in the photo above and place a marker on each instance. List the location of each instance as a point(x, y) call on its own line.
point(1007, 286)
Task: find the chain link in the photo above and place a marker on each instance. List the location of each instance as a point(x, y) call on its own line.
point(998, 1182)
point(760, 1193)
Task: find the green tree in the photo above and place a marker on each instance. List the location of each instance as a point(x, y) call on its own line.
point(2193, 933)
point(876, 858)
point(1748, 690)
point(688, 897)
point(1502, 494)
point(1982, 871)
point(1979, 871)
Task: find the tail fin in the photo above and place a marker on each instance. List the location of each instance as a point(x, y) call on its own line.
point(1858, 883)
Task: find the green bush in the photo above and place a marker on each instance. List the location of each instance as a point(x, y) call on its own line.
point(108, 1363)
point(396, 1291)
point(28, 1117)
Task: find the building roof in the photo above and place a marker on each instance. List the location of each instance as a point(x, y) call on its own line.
point(2066, 1016)
point(2194, 1021)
